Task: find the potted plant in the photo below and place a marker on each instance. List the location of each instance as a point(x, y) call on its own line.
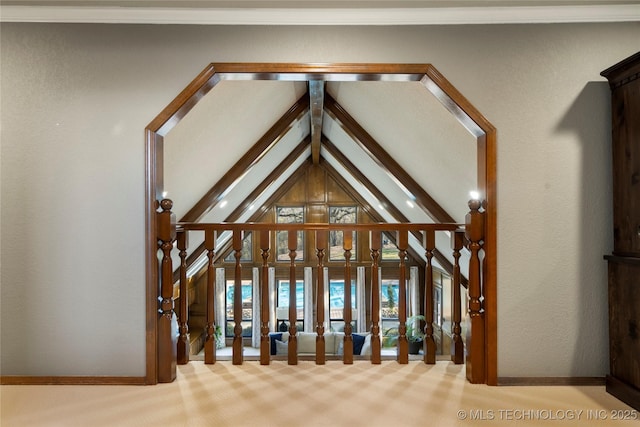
point(219, 339)
point(415, 336)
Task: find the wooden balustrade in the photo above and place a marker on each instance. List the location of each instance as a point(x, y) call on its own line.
point(429, 341)
point(402, 241)
point(237, 299)
point(347, 244)
point(321, 244)
point(265, 241)
point(472, 234)
point(375, 243)
point(457, 346)
point(293, 308)
point(167, 342)
point(183, 322)
point(210, 339)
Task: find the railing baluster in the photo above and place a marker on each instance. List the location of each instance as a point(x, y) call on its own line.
point(429, 341)
point(321, 244)
point(348, 330)
point(265, 356)
point(402, 242)
point(374, 244)
point(237, 300)
point(475, 346)
point(167, 342)
point(183, 327)
point(292, 237)
point(210, 338)
point(457, 346)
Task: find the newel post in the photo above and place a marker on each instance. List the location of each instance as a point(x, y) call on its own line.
point(167, 324)
point(474, 232)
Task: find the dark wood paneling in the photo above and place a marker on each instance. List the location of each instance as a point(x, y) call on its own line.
point(624, 266)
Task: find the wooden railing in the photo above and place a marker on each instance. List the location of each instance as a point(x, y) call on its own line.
point(471, 236)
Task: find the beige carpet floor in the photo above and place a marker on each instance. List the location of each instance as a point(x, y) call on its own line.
point(309, 395)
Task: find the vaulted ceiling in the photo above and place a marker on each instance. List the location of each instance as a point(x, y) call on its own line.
point(394, 143)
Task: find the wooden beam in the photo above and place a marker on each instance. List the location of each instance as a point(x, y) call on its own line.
point(386, 162)
point(250, 159)
point(316, 102)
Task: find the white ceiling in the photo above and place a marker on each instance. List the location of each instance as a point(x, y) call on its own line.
point(320, 12)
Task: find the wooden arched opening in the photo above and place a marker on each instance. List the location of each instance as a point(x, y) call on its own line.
point(482, 360)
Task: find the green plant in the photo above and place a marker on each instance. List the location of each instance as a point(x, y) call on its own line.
point(218, 337)
point(414, 332)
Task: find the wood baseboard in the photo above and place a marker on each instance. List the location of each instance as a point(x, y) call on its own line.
point(551, 381)
point(70, 380)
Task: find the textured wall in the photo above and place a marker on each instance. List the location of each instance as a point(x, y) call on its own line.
point(75, 101)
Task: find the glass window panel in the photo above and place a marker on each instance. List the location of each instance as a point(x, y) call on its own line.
point(341, 215)
point(247, 307)
point(283, 296)
point(389, 292)
point(247, 250)
point(389, 248)
point(289, 215)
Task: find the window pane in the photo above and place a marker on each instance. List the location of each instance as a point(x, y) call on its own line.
point(389, 298)
point(389, 249)
point(289, 215)
point(283, 296)
point(341, 215)
point(247, 307)
point(247, 250)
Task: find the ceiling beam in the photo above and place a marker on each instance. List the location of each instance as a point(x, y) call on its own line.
point(386, 162)
point(250, 159)
point(316, 103)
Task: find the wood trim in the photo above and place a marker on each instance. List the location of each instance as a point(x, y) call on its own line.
point(249, 159)
point(380, 156)
point(71, 380)
point(322, 71)
point(184, 102)
point(153, 193)
point(551, 381)
point(486, 135)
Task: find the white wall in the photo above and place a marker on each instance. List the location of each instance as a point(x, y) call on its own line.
point(76, 98)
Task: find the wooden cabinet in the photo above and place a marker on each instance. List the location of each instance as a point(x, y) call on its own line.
point(623, 380)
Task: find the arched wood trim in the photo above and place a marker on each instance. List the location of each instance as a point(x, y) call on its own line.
point(453, 100)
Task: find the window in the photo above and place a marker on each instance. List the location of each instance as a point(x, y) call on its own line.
point(247, 308)
point(282, 304)
point(389, 248)
point(336, 305)
point(341, 215)
point(289, 215)
point(247, 250)
point(389, 318)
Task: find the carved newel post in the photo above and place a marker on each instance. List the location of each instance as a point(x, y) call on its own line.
point(474, 231)
point(167, 323)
